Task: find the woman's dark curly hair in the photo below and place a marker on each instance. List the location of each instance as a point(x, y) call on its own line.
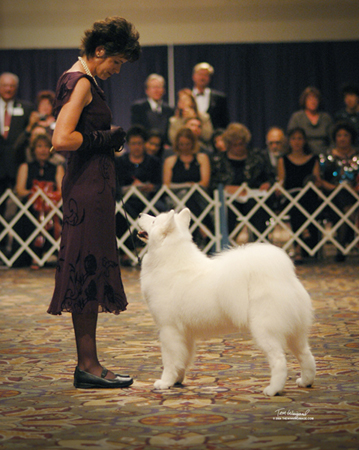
point(116, 35)
point(347, 126)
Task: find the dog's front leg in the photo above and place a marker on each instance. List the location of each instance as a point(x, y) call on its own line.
point(175, 357)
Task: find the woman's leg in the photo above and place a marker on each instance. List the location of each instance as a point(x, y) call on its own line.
point(85, 335)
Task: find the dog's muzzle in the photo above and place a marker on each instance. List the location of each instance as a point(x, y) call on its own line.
point(143, 235)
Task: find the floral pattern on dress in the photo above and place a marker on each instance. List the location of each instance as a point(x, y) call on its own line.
point(84, 285)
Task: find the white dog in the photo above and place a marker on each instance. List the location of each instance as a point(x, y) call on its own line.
point(192, 296)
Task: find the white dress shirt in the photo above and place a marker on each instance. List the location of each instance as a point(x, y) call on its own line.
point(202, 100)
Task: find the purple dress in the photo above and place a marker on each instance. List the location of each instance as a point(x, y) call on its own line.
point(88, 277)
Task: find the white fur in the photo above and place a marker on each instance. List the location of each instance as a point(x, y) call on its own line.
point(192, 296)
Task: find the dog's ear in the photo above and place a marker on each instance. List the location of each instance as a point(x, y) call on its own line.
point(169, 224)
point(185, 217)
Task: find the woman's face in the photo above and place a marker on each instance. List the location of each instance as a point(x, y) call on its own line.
point(343, 138)
point(109, 65)
point(45, 107)
point(153, 145)
point(184, 102)
point(296, 141)
point(219, 144)
point(312, 102)
point(184, 145)
point(42, 150)
point(237, 146)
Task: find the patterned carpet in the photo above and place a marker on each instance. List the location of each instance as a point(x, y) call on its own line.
point(221, 405)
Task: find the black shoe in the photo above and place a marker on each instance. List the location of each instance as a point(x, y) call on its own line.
point(85, 380)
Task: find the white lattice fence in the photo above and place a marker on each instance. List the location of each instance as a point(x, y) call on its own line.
point(20, 210)
point(176, 197)
point(211, 209)
point(317, 218)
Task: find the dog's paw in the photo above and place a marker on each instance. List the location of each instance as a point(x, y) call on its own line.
point(300, 383)
point(270, 392)
point(159, 384)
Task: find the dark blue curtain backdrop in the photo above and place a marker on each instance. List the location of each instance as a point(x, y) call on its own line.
point(263, 81)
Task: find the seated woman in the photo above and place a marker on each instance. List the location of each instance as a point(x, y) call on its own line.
point(188, 167)
point(244, 165)
point(43, 174)
point(186, 109)
point(295, 169)
point(341, 165)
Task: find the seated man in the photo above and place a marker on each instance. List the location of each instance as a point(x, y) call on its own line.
point(135, 168)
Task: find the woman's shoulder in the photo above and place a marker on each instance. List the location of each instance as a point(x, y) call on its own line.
point(202, 157)
point(170, 159)
point(67, 83)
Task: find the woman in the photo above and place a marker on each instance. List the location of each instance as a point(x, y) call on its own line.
point(186, 109)
point(245, 165)
point(88, 277)
point(187, 167)
point(43, 174)
point(45, 107)
point(315, 123)
point(295, 169)
point(342, 166)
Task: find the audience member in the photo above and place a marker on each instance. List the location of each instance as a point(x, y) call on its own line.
point(295, 169)
point(208, 100)
point(187, 109)
point(40, 173)
point(196, 126)
point(350, 112)
point(45, 107)
point(342, 166)
point(220, 168)
point(246, 166)
point(153, 112)
point(22, 146)
point(154, 145)
point(315, 123)
point(14, 117)
point(187, 167)
point(135, 168)
point(276, 146)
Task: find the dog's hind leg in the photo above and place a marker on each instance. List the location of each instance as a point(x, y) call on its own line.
point(300, 348)
point(274, 351)
point(176, 355)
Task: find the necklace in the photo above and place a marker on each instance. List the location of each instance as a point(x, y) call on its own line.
point(87, 70)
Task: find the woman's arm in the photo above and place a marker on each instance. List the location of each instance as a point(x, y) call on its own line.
point(205, 169)
point(60, 172)
point(65, 138)
point(167, 169)
point(281, 171)
point(207, 128)
point(21, 180)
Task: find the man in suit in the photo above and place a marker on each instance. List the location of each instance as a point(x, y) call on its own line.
point(152, 112)
point(208, 100)
point(14, 117)
point(276, 142)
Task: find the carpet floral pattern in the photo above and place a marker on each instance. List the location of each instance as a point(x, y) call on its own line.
point(220, 406)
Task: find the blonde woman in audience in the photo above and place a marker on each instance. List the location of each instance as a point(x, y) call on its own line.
point(187, 109)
